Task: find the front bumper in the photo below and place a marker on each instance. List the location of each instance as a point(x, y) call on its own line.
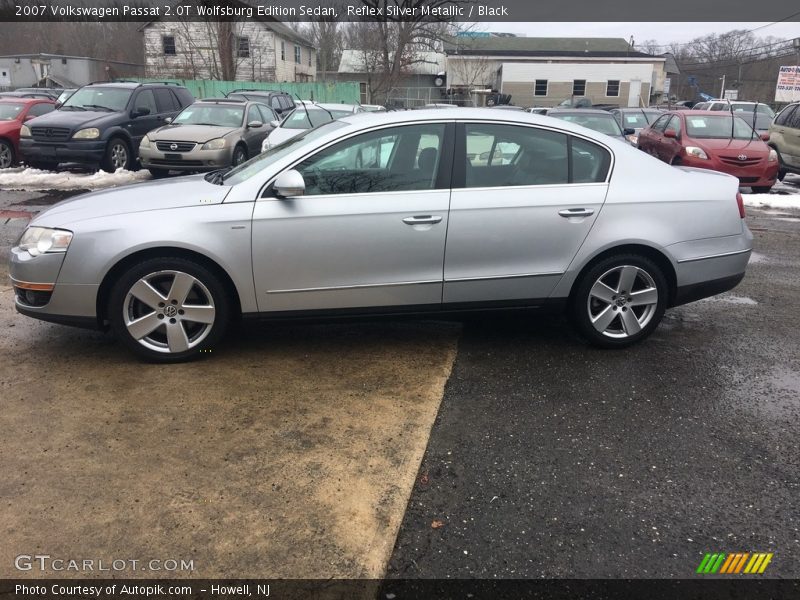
point(86, 152)
point(194, 160)
point(762, 174)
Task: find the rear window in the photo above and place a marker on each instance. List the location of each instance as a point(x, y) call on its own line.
point(602, 123)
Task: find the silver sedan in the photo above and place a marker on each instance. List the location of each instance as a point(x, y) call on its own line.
point(422, 211)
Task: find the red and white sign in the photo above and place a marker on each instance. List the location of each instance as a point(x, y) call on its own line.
point(788, 88)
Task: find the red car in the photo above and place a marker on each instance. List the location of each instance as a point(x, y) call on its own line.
point(713, 140)
point(13, 113)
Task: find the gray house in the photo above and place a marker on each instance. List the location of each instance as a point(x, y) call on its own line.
point(56, 70)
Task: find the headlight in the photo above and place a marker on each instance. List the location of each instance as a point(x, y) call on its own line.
point(696, 152)
point(145, 143)
point(24, 131)
point(92, 133)
point(41, 240)
point(217, 144)
point(773, 156)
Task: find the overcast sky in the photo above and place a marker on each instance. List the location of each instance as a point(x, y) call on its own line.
point(663, 32)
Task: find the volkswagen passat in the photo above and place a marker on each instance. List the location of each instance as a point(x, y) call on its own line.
point(391, 213)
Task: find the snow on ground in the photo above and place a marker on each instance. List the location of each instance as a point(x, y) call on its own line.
point(37, 180)
point(784, 194)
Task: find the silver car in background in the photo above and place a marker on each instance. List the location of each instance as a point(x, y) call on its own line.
point(207, 135)
point(555, 215)
point(307, 115)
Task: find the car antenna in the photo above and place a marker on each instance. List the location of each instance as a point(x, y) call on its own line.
point(305, 110)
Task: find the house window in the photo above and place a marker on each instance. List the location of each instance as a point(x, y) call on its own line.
point(168, 44)
point(579, 87)
point(540, 87)
point(297, 55)
point(283, 50)
point(612, 88)
point(243, 47)
point(309, 58)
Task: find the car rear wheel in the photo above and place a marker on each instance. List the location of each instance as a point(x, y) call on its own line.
point(239, 156)
point(118, 155)
point(169, 309)
point(7, 157)
point(619, 301)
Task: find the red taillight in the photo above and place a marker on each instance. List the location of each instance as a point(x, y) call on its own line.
point(740, 203)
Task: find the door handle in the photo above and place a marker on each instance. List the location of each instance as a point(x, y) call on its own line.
point(576, 212)
point(422, 220)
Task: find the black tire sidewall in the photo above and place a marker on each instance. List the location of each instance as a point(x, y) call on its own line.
point(212, 282)
point(580, 316)
point(10, 147)
point(106, 164)
point(158, 173)
point(238, 150)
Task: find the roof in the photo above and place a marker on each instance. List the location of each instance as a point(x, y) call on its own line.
point(425, 63)
point(524, 46)
point(25, 100)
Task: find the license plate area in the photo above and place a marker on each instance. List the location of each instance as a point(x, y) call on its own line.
point(173, 156)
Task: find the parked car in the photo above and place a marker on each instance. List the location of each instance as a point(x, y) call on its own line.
point(784, 138)
point(575, 220)
point(101, 124)
point(712, 140)
point(599, 120)
point(207, 135)
point(538, 110)
point(757, 114)
point(636, 119)
point(51, 93)
point(307, 116)
point(372, 108)
point(281, 103)
point(27, 94)
point(13, 113)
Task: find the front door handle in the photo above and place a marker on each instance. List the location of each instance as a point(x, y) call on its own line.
point(422, 220)
point(576, 212)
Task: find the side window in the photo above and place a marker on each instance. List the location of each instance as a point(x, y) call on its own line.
point(509, 155)
point(146, 99)
point(590, 162)
point(253, 114)
point(718, 106)
point(266, 113)
point(793, 119)
point(661, 123)
point(165, 100)
point(397, 159)
point(286, 102)
point(675, 123)
point(38, 110)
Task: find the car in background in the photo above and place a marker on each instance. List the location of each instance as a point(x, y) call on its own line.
point(713, 140)
point(757, 114)
point(598, 120)
point(636, 119)
point(574, 220)
point(64, 95)
point(538, 110)
point(209, 134)
point(281, 103)
point(373, 107)
point(101, 124)
point(44, 95)
point(784, 138)
point(307, 116)
point(14, 112)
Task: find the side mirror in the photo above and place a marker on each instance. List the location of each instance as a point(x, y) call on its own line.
point(274, 124)
point(671, 133)
point(289, 184)
point(140, 111)
point(255, 124)
point(168, 120)
point(764, 136)
point(628, 131)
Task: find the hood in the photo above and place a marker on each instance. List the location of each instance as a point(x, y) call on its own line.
point(190, 133)
point(193, 190)
point(754, 147)
point(74, 119)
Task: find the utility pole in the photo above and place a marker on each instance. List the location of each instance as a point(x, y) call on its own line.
point(722, 91)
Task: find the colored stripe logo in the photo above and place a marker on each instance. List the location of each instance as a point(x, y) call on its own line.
point(734, 563)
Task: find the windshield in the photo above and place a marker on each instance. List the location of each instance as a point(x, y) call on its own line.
point(64, 95)
point(91, 98)
point(258, 163)
point(10, 111)
point(717, 127)
point(602, 123)
point(299, 118)
point(218, 115)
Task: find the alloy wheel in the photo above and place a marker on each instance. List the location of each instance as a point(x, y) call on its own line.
point(169, 312)
point(119, 156)
point(622, 301)
point(6, 156)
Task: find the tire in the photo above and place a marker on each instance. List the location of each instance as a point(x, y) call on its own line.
point(781, 174)
point(43, 166)
point(7, 156)
point(761, 189)
point(155, 326)
point(158, 173)
point(117, 156)
point(609, 319)
point(239, 156)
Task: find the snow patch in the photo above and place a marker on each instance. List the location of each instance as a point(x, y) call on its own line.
point(731, 300)
point(771, 201)
point(37, 180)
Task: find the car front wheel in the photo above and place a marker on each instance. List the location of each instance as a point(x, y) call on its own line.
point(169, 309)
point(619, 301)
point(118, 155)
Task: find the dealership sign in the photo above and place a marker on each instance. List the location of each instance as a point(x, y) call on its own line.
point(788, 88)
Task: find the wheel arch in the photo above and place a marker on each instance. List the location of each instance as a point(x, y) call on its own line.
point(115, 272)
point(654, 254)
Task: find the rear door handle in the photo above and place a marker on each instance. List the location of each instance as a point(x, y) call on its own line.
point(576, 212)
point(422, 220)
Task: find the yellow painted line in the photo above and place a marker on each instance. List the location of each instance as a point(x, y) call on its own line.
point(765, 563)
